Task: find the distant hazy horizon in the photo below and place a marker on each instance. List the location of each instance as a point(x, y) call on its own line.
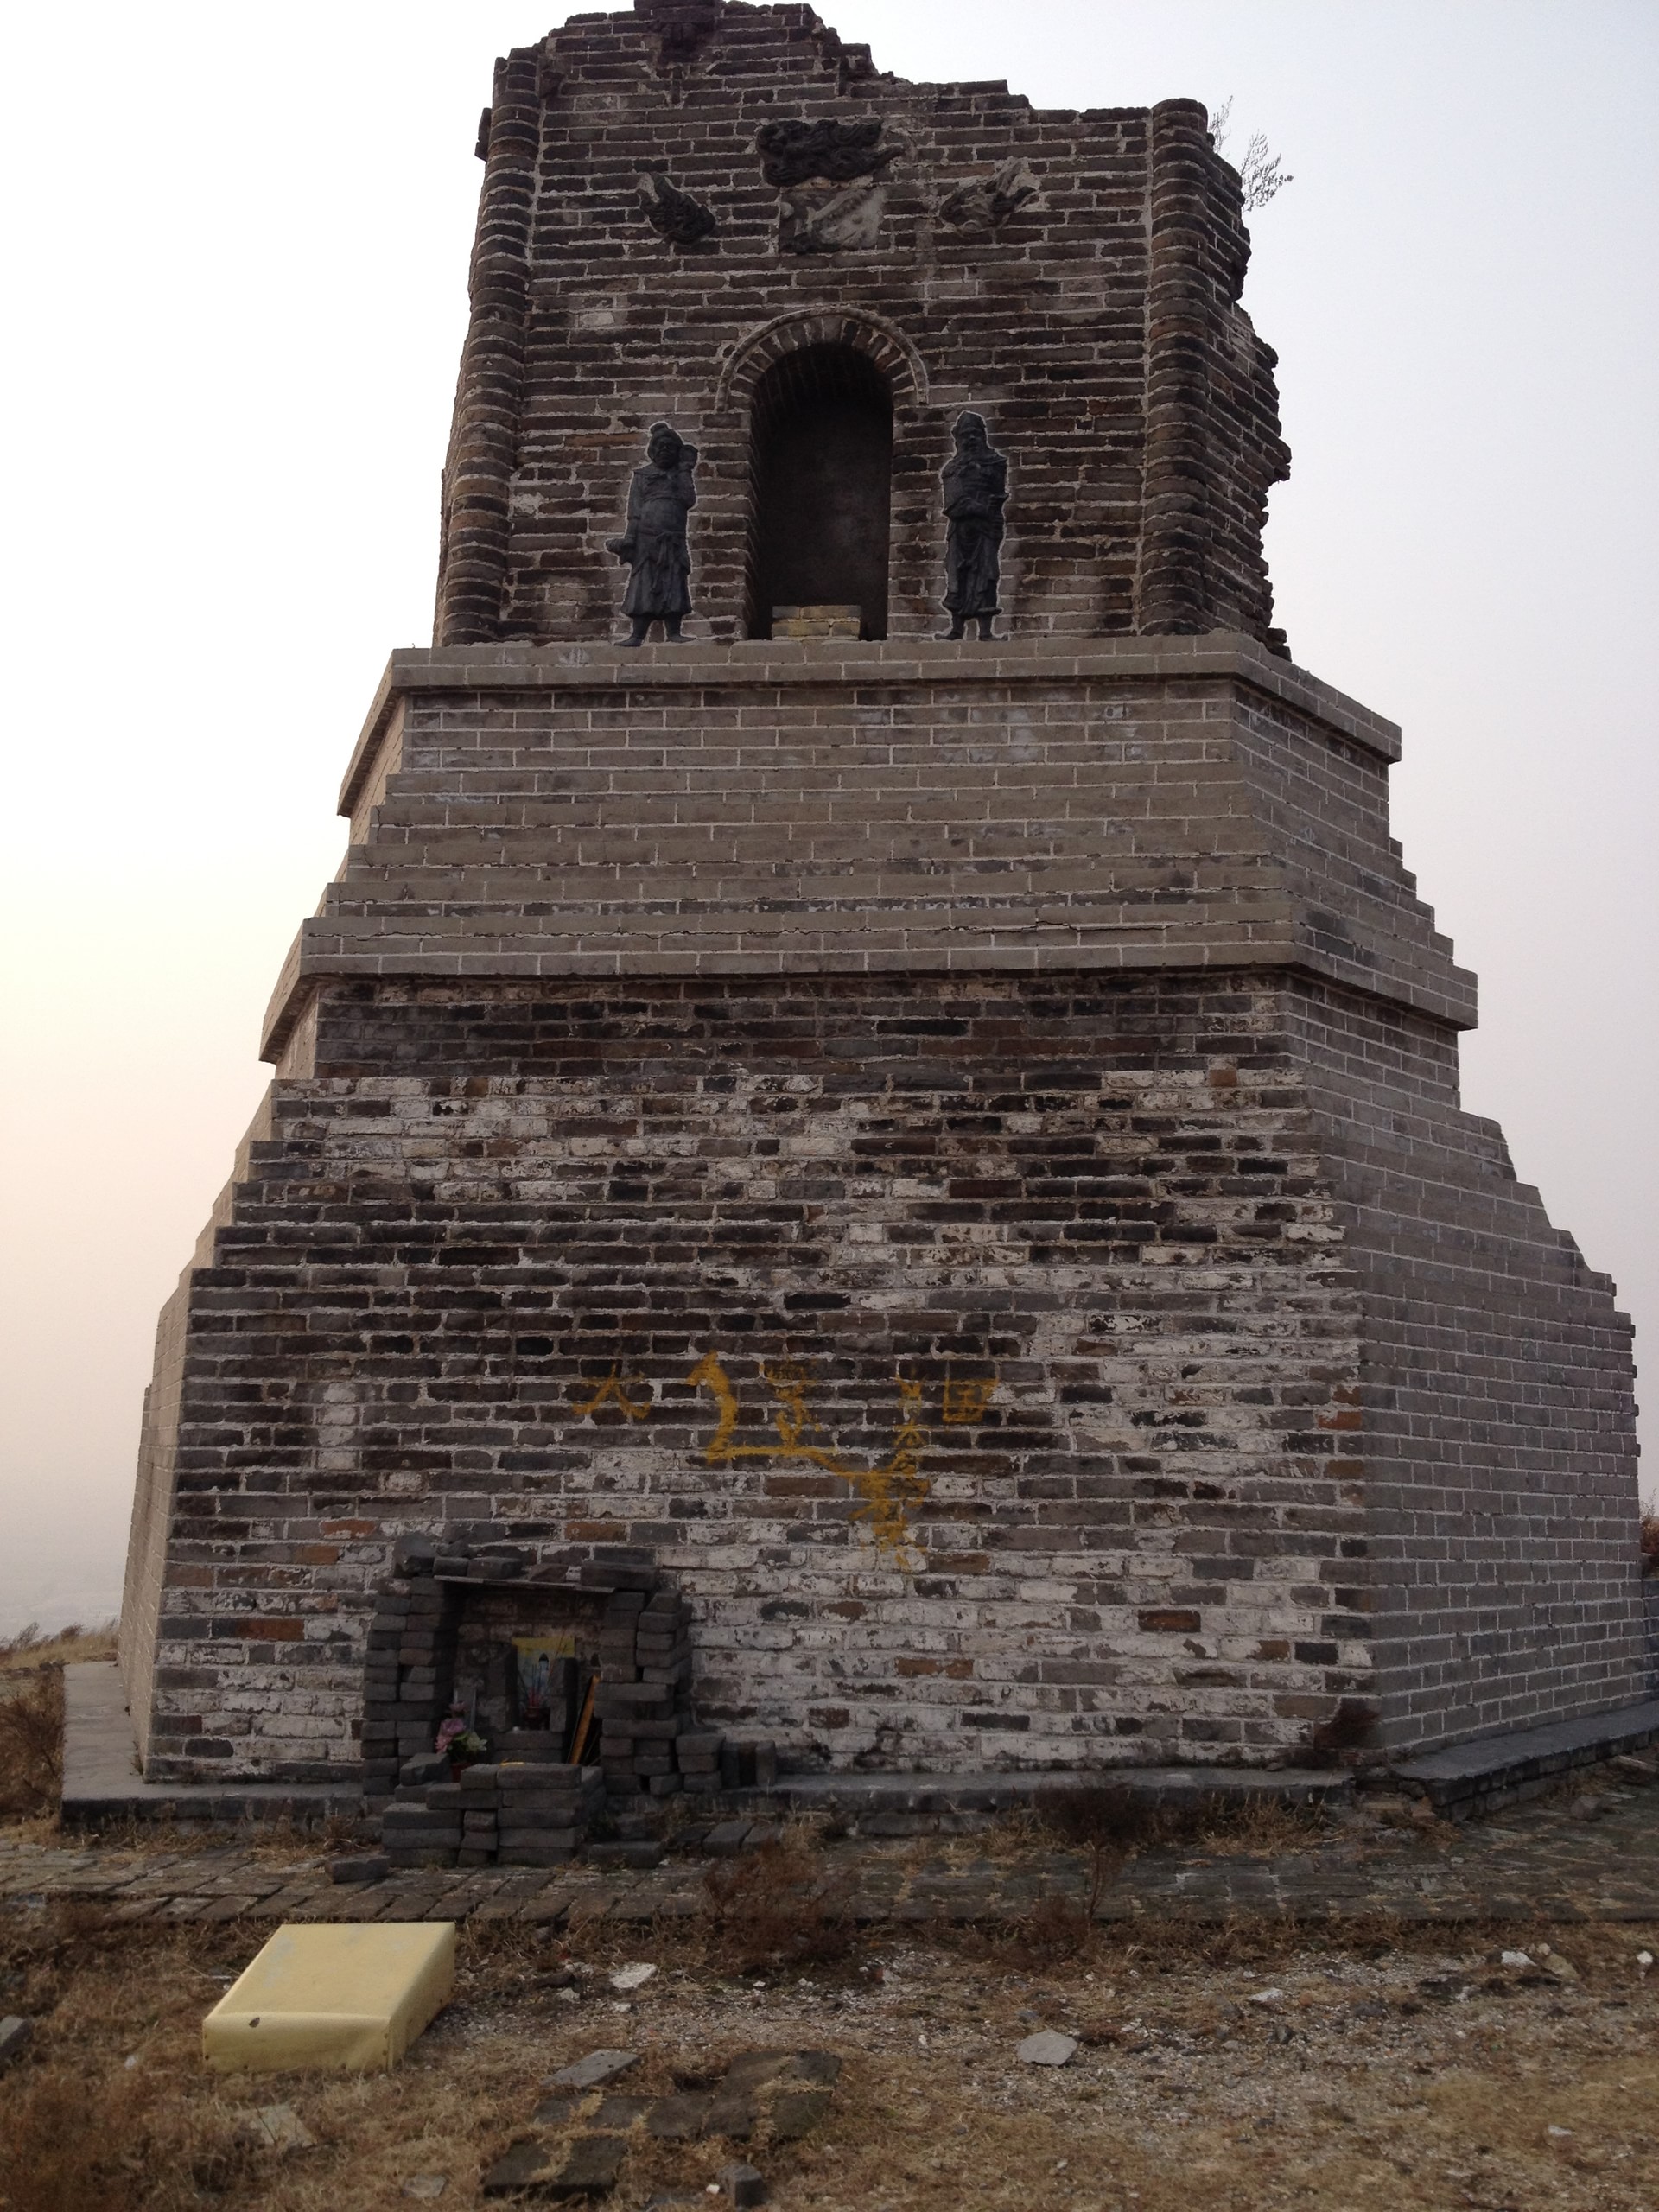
point(242, 292)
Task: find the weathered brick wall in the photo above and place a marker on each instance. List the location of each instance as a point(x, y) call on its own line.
point(151, 1531)
point(1500, 1452)
point(1095, 325)
point(1233, 1467)
point(154, 1524)
point(1052, 1462)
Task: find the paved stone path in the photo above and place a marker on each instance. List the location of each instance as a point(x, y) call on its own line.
point(1541, 1861)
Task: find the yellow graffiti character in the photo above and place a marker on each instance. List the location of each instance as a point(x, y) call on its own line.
point(966, 1402)
point(614, 1391)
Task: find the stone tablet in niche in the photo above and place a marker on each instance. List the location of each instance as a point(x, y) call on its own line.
point(828, 621)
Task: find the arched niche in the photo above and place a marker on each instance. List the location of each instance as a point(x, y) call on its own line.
point(821, 476)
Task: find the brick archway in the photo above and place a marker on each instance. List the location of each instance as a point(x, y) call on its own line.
point(891, 352)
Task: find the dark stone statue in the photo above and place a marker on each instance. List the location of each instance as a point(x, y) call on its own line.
point(654, 544)
point(975, 492)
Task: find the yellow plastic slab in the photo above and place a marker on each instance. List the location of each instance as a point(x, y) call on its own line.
point(348, 1996)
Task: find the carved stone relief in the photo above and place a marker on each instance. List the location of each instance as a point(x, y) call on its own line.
point(673, 214)
point(830, 175)
point(978, 208)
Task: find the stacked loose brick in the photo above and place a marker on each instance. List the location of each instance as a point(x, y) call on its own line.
point(928, 1181)
point(646, 1668)
point(639, 1641)
point(527, 1815)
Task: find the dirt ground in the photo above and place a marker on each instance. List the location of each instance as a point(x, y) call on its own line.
point(1400, 2069)
point(1230, 2068)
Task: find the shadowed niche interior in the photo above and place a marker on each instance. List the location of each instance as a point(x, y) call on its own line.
point(822, 477)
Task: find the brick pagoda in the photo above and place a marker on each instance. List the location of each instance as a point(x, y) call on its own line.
point(907, 1195)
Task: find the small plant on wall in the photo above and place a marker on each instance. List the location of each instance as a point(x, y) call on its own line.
point(1260, 171)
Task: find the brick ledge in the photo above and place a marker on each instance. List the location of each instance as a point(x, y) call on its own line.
point(1522, 1763)
point(769, 662)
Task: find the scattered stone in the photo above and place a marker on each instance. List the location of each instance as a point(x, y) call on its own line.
point(742, 2184)
point(426, 2185)
point(278, 2128)
point(524, 2164)
point(590, 2167)
point(727, 1838)
point(1049, 2048)
point(797, 2113)
point(1513, 1959)
point(678, 2119)
point(1563, 1969)
point(1562, 2135)
point(14, 2032)
point(373, 1867)
point(753, 2069)
point(593, 2071)
point(631, 1977)
point(1644, 1960)
point(821, 2067)
point(1445, 1988)
point(1589, 1807)
point(1266, 1997)
point(731, 2114)
point(619, 2114)
point(1638, 1771)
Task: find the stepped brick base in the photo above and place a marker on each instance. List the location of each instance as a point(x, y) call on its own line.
point(949, 1165)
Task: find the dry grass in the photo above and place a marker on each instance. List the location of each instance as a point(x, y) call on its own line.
point(31, 1713)
point(1109, 1822)
point(31, 1745)
point(28, 1651)
point(1372, 2081)
point(786, 1904)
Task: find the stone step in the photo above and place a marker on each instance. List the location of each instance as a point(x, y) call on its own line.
point(1493, 1770)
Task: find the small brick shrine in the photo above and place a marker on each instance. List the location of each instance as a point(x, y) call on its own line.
point(933, 1164)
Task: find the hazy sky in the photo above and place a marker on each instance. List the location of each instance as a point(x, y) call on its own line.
point(235, 280)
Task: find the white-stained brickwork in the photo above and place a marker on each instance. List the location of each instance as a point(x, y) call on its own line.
point(1060, 1362)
